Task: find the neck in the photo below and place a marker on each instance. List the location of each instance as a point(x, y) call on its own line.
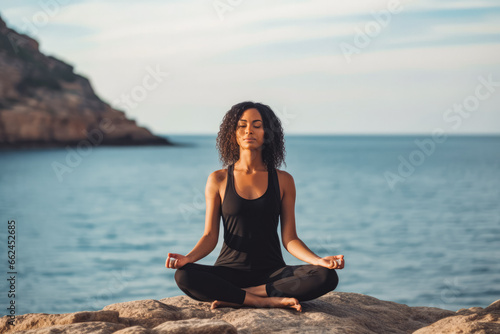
point(250, 161)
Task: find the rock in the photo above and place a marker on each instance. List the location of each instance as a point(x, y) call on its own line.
point(150, 313)
point(40, 320)
point(134, 330)
point(96, 327)
point(191, 326)
point(195, 326)
point(473, 320)
point(335, 312)
point(43, 103)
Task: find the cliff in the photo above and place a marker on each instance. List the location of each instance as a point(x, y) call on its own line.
point(43, 103)
point(335, 312)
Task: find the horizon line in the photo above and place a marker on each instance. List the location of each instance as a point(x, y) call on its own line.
point(486, 134)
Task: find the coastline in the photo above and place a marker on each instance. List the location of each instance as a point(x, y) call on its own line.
point(335, 312)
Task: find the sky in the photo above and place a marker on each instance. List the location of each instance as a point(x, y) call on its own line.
point(324, 67)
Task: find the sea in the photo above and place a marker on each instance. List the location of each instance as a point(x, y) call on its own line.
point(417, 218)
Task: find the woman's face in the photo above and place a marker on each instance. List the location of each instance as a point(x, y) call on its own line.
point(250, 126)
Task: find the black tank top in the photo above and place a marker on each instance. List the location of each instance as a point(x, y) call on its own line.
point(251, 239)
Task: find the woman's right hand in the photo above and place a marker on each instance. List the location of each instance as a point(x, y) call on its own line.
point(176, 261)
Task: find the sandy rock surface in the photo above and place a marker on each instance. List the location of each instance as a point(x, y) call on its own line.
point(335, 312)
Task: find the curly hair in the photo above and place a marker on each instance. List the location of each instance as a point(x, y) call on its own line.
point(273, 152)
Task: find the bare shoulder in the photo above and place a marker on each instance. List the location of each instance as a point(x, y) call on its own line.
point(286, 182)
point(216, 181)
point(216, 178)
point(284, 177)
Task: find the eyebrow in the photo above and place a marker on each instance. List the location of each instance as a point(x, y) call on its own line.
point(257, 120)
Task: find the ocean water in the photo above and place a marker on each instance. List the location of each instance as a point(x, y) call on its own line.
point(99, 233)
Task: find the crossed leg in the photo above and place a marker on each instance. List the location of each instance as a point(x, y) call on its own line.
point(284, 287)
point(259, 290)
point(261, 301)
point(257, 296)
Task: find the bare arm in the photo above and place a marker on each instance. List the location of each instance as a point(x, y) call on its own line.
point(210, 236)
point(293, 244)
point(291, 241)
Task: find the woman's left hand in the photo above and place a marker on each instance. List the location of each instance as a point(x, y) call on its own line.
point(330, 262)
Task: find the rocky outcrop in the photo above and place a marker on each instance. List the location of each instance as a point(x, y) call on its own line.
point(335, 312)
point(468, 321)
point(44, 103)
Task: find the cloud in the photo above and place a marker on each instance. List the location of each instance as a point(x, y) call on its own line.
point(284, 52)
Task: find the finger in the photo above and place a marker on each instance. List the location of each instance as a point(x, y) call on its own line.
point(170, 262)
point(173, 263)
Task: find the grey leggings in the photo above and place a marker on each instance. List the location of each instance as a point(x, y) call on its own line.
point(208, 283)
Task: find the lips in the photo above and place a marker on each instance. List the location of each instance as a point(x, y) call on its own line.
point(249, 139)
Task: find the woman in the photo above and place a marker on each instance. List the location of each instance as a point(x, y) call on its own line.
point(251, 195)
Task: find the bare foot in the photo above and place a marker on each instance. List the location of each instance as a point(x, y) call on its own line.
point(257, 290)
point(220, 303)
point(280, 302)
point(284, 303)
